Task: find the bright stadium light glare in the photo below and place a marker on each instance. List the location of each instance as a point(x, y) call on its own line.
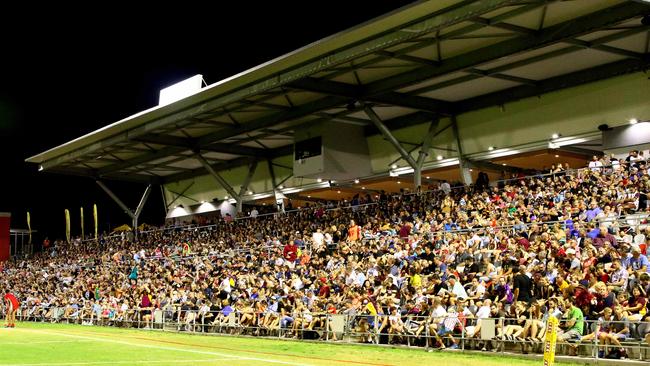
point(180, 90)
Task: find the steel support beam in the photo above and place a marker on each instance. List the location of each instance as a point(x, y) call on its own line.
point(527, 61)
point(336, 88)
point(138, 210)
point(423, 153)
point(244, 187)
point(389, 136)
point(462, 163)
point(164, 197)
point(502, 97)
point(229, 164)
point(216, 176)
point(116, 199)
point(143, 200)
point(548, 36)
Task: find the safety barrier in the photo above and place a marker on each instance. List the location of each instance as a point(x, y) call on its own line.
point(599, 339)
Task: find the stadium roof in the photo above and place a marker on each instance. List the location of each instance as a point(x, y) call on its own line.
point(430, 59)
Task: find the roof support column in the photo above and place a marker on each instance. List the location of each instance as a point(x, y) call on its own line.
point(217, 177)
point(134, 215)
point(277, 196)
point(389, 136)
point(423, 153)
point(244, 187)
point(115, 198)
point(465, 174)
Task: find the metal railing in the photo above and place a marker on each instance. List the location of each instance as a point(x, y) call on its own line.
point(468, 333)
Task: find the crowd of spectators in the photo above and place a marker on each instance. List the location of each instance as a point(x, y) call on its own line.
point(571, 244)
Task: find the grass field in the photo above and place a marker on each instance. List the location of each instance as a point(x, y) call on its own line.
point(62, 344)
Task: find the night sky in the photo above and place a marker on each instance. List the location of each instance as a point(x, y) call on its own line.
point(67, 72)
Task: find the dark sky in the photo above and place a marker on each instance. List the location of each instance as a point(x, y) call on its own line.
point(67, 72)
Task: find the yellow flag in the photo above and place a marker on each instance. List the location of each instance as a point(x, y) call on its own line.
point(95, 216)
point(550, 341)
point(67, 225)
point(29, 226)
point(82, 224)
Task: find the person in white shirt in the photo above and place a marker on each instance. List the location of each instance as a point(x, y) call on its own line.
point(318, 238)
point(445, 187)
point(595, 165)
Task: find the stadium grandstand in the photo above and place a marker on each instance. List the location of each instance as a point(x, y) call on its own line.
point(453, 175)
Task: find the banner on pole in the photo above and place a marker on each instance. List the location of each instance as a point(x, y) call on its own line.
point(95, 216)
point(82, 224)
point(67, 225)
point(29, 227)
point(550, 341)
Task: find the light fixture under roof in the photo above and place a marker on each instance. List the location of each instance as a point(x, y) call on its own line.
point(356, 181)
point(281, 187)
point(319, 180)
point(394, 166)
point(439, 157)
point(490, 148)
point(633, 121)
point(555, 135)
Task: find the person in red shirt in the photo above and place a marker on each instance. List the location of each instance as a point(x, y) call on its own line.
point(11, 304)
point(354, 231)
point(290, 252)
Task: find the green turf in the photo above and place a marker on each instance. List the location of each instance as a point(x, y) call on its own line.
point(61, 344)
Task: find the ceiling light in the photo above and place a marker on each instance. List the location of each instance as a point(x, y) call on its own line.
point(439, 157)
point(394, 166)
point(226, 197)
point(557, 156)
point(490, 148)
point(319, 180)
point(634, 121)
point(40, 168)
point(250, 192)
point(204, 202)
point(555, 135)
point(281, 187)
point(356, 181)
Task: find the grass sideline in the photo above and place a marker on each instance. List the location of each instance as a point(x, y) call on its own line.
point(62, 344)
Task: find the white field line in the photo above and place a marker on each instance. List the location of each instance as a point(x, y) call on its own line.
point(42, 342)
point(130, 362)
point(233, 357)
